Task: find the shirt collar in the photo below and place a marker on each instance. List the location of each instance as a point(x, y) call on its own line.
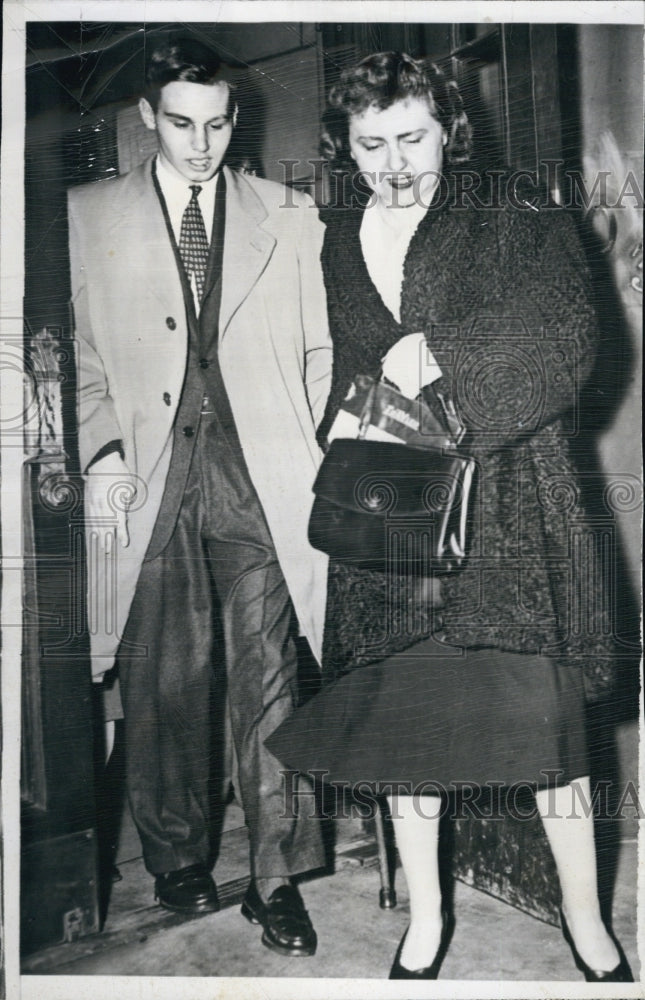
point(176, 192)
point(178, 188)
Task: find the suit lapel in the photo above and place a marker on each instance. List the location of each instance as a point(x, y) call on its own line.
point(213, 280)
point(247, 247)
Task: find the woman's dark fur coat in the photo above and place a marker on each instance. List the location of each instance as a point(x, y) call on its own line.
point(504, 300)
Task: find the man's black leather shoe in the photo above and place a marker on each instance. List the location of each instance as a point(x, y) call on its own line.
point(188, 890)
point(287, 927)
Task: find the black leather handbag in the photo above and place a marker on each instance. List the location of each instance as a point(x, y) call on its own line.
point(388, 506)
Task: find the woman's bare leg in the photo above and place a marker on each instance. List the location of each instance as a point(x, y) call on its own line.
point(571, 836)
point(416, 827)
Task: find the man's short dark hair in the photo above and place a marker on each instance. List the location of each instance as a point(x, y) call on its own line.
point(185, 59)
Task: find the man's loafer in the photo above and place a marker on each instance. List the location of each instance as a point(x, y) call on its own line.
point(188, 890)
point(287, 927)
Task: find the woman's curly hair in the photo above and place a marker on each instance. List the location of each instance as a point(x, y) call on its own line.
point(382, 79)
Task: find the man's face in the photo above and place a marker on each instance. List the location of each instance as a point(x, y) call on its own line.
point(193, 127)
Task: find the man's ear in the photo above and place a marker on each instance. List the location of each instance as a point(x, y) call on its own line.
point(147, 114)
point(234, 115)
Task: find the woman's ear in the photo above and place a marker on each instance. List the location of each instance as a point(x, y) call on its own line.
point(234, 116)
point(444, 138)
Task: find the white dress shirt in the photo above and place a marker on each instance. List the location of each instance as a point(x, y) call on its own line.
point(177, 193)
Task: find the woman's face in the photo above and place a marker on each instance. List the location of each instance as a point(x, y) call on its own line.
point(399, 150)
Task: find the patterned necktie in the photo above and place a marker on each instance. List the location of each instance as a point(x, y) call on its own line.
point(193, 242)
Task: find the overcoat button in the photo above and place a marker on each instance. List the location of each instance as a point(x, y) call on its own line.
point(204, 363)
point(188, 432)
point(171, 323)
point(166, 398)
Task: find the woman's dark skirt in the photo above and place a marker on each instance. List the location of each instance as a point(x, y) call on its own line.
point(443, 715)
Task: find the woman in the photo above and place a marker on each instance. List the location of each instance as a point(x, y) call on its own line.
point(483, 683)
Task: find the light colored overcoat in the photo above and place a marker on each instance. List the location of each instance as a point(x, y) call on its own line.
point(132, 337)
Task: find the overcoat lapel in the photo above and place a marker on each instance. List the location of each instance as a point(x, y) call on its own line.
point(139, 231)
point(247, 247)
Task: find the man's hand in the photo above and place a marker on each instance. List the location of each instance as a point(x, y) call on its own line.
point(109, 488)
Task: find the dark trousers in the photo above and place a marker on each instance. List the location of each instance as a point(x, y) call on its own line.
point(221, 538)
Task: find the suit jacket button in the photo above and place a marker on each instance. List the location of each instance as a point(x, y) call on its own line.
point(166, 398)
point(171, 323)
point(204, 363)
point(188, 432)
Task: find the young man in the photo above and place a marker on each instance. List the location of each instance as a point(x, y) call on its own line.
point(203, 366)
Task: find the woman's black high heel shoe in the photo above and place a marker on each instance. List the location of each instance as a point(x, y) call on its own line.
point(621, 974)
point(399, 971)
